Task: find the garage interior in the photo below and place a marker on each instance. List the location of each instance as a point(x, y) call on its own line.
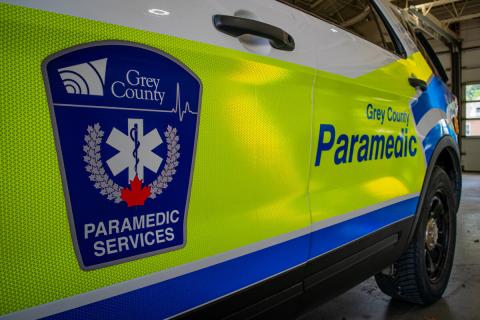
point(453, 30)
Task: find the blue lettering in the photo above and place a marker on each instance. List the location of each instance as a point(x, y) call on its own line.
point(322, 144)
point(360, 148)
point(363, 150)
point(412, 151)
point(388, 147)
point(342, 149)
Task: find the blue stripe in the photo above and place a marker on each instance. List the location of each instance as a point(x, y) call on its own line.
point(434, 97)
point(437, 96)
point(431, 140)
point(179, 294)
point(335, 236)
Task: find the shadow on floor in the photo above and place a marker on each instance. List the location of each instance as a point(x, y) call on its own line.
point(462, 298)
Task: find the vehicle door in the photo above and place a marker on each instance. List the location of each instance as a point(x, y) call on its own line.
point(367, 164)
point(183, 144)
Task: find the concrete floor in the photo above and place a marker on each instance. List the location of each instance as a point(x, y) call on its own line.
point(462, 297)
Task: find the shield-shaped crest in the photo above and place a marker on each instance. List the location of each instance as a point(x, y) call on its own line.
point(125, 119)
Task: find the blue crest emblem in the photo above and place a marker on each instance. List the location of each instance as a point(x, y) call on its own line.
point(125, 118)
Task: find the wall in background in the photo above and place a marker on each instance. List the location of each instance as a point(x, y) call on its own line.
point(470, 33)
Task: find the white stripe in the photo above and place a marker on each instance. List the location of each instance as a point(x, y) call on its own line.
point(429, 121)
point(284, 271)
point(412, 101)
point(76, 301)
point(357, 213)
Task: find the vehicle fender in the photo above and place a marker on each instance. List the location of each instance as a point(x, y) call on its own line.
point(446, 146)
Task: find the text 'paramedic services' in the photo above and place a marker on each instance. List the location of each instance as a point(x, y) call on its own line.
point(151, 229)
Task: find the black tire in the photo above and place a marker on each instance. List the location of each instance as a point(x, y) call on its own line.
point(421, 274)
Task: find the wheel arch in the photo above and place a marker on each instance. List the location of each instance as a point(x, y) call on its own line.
point(447, 156)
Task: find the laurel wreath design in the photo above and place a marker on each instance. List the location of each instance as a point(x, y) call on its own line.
point(102, 181)
point(94, 166)
point(169, 170)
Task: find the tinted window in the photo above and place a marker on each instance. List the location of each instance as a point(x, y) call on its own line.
point(430, 55)
point(356, 16)
point(424, 47)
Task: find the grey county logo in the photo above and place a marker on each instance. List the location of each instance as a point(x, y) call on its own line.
point(135, 149)
point(85, 78)
point(125, 118)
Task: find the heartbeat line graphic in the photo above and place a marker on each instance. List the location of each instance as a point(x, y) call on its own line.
point(178, 107)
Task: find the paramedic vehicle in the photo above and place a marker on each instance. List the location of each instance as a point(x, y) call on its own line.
point(220, 158)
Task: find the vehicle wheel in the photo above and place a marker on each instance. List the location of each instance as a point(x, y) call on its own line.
point(422, 272)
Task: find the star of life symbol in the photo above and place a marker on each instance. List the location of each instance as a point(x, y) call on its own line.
point(135, 150)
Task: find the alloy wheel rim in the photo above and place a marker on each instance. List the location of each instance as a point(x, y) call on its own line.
point(436, 238)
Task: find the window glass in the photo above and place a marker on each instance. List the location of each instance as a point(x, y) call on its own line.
point(418, 37)
point(430, 56)
point(356, 16)
point(472, 92)
point(472, 109)
point(472, 128)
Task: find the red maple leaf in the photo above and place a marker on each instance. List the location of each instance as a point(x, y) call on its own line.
point(136, 195)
